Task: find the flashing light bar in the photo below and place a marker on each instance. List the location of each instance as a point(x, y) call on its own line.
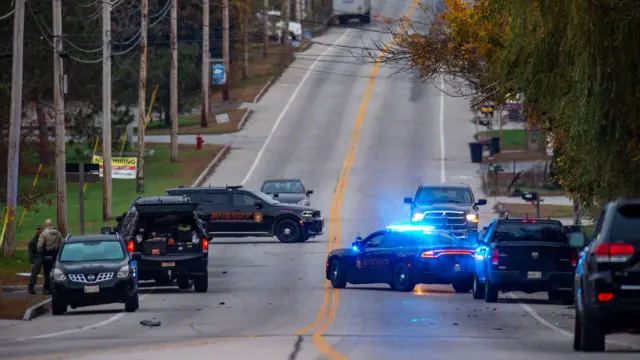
point(411, 228)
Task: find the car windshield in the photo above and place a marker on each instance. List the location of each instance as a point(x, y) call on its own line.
point(626, 224)
point(264, 197)
point(434, 240)
point(283, 187)
point(92, 251)
point(443, 195)
point(518, 231)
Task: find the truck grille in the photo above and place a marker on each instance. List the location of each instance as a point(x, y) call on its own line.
point(445, 218)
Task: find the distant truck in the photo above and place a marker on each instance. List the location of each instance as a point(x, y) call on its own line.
point(346, 10)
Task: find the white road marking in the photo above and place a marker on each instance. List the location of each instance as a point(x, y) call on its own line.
point(286, 107)
point(110, 320)
point(443, 176)
point(544, 322)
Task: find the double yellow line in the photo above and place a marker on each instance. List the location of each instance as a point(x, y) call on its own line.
point(331, 297)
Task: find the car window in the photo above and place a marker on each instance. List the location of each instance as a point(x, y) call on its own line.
point(129, 224)
point(240, 199)
point(215, 198)
point(265, 198)
point(598, 228)
point(519, 231)
point(283, 187)
point(92, 251)
point(374, 241)
point(428, 195)
point(626, 224)
point(578, 240)
point(393, 240)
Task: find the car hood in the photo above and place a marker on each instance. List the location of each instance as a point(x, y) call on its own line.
point(290, 198)
point(444, 207)
point(92, 267)
point(340, 252)
point(287, 206)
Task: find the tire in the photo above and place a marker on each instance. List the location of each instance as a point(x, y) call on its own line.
point(132, 304)
point(365, 19)
point(577, 332)
point(184, 283)
point(342, 20)
point(58, 307)
point(463, 286)
point(592, 334)
point(402, 279)
point(490, 292)
point(201, 282)
point(287, 231)
point(478, 289)
point(566, 298)
point(553, 296)
point(337, 276)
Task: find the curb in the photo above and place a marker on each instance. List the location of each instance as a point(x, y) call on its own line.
point(17, 288)
point(221, 155)
point(245, 118)
point(37, 310)
point(263, 90)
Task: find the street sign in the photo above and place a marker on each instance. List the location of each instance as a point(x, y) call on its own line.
point(218, 73)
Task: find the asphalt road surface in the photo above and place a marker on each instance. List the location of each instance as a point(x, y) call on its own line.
point(362, 140)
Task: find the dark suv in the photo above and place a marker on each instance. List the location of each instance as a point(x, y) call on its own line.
point(171, 239)
point(450, 207)
point(607, 278)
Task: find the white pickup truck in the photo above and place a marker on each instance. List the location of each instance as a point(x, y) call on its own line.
point(345, 10)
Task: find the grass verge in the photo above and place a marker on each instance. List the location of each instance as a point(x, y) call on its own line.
point(529, 210)
point(513, 139)
point(190, 125)
point(13, 308)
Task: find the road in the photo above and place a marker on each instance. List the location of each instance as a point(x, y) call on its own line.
point(362, 141)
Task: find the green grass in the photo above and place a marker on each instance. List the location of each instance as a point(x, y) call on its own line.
point(511, 139)
point(159, 173)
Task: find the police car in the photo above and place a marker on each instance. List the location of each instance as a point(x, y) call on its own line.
point(403, 256)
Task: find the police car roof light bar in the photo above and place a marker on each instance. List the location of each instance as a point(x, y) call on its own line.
point(410, 228)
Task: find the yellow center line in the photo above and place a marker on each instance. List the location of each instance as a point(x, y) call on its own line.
point(332, 296)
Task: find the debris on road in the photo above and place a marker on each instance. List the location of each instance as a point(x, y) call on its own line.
point(151, 323)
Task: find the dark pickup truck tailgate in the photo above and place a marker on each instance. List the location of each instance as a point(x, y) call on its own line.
point(535, 256)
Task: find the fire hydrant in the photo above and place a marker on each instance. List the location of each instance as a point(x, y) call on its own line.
point(199, 142)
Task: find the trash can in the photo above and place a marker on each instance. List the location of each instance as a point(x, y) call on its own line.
point(476, 152)
point(495, 145)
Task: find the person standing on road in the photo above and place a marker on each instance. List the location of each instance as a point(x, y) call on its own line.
point(35, 258)
point(49, 243)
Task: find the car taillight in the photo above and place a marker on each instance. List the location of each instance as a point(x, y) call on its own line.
point(495, 254)
point(615, 253)
point(428, 254)
point(205, 245)
point(574, 259)
point(131, 246)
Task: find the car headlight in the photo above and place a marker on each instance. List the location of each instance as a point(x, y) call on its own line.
point(123, 273)
point(307, 214)
point(417, 216)
point(472, 218)
point(58, 275)
point(304, 201)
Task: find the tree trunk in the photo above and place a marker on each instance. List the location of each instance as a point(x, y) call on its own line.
point(577, 216)
point(44, 147)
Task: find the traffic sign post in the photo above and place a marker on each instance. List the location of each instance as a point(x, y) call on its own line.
point(218, 73)
point(79, 174)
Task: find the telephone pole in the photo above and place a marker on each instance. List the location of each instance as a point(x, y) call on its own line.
point(205, 64)
point(174, 81)
point(245, 45)
point(58, 100)
point(106, 110)
point(225, 48)
point(14, 127)
point(265, 43)
point(142, 94)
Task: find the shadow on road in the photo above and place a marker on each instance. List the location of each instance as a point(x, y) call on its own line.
point(82, 312)
point(527, 301)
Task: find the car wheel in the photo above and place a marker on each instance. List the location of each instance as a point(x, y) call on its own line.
point(287, 231)
point(184, 283)
point(402, 279)
point(132, 304)
point(566, 298)
point(342, 20)
point(478, 289)
point(553, 296)
point(592, 334)
point(338, 277)
point(463, 286)
point(58, 307)
point(490, 292)
point(577, 332)
point(201, 283)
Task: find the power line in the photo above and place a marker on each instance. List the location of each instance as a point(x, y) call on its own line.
point(5, 16)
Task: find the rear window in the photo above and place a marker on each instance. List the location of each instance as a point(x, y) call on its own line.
point(626, 224)
point(517, 231)
point(92, 251)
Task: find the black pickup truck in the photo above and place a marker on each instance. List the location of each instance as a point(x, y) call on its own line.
point(528, 255)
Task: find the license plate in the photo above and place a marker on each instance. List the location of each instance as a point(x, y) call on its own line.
point(92, 289)
point(456, 267)
point(534, 275)
point(168, 264)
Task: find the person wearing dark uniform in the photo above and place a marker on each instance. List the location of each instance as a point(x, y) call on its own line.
point(49, 243)
point(35, 258)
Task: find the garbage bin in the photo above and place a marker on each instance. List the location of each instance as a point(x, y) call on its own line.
point(476, 152)
point(495, 145)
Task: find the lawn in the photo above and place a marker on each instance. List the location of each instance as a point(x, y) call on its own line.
point(511, 139)
point(191, 124)
point(529, 210)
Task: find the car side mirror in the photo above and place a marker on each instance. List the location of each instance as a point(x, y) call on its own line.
point(309, 192)
point(408, 200)
point(258, 204)
point(481, 202)
point(136, 256)
point(105, 230)
point(356, 245)
point(275, 196)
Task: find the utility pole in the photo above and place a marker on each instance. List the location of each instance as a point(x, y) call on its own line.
point(225, 48)
point(14, 127)
point(58, 100)
point(245, 45)
point(174, 81)
point(265, 43)
point(106, 110)
point(206, 63)
point(142, 94)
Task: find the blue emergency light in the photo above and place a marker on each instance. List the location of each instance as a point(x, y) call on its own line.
point(423, 228)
